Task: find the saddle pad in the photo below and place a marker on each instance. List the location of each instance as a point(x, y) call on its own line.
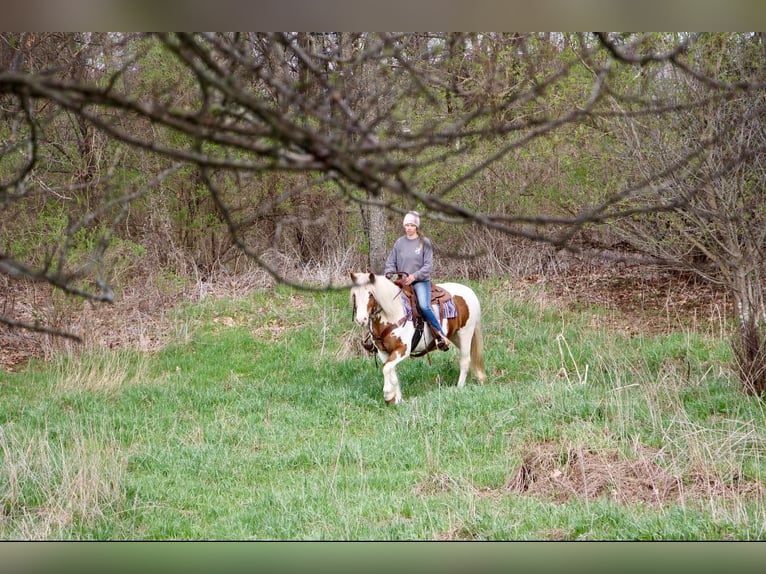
point(448, 309)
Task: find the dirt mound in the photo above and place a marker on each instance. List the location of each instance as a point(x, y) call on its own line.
point(551, 473)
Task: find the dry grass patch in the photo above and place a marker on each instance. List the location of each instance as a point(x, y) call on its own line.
point(47, 484)
point(99, 371)
point(562, 475)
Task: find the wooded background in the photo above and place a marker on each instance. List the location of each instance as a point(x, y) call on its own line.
point(188, 154)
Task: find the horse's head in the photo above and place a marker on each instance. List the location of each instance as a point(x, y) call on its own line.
point(362, 296)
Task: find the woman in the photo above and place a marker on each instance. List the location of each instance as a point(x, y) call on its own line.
point(413, 254)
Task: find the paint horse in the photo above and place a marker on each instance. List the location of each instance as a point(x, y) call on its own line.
point(380, 305)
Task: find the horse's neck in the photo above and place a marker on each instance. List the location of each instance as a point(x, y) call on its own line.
point(389, 299)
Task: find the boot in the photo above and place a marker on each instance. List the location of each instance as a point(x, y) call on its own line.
point(442, 342)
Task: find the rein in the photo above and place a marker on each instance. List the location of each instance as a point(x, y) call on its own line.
point(380, 338)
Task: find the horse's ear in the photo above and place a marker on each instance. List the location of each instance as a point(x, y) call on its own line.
point(372, 277)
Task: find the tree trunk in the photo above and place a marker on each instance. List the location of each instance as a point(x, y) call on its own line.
point(750, 347)
point(376, 234)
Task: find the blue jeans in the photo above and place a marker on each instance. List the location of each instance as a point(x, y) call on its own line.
point(423, 293)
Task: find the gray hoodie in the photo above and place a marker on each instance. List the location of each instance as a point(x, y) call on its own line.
point(415, 256)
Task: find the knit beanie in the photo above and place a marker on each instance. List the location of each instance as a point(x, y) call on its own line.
point(412, 217)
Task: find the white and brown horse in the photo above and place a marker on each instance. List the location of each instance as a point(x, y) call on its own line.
point(379, 305)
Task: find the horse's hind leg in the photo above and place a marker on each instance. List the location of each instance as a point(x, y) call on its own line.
point(465, 362)
point(465, 357)
point(471, 353)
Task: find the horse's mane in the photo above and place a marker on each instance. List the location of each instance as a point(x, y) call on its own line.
point(385, 291)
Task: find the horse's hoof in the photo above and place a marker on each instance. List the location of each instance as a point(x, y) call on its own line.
point(393, 401)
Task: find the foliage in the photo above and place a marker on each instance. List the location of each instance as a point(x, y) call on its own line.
point(291, 148)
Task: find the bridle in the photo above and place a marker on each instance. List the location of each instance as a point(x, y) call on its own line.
point(374, 313)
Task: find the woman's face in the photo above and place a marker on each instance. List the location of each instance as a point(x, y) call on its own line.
point(410, 230)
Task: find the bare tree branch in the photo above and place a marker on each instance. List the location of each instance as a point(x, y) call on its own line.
point(280, 128)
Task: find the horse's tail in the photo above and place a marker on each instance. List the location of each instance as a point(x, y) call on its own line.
point(477, 354)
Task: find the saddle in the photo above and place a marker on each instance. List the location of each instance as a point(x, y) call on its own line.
point(439, 296)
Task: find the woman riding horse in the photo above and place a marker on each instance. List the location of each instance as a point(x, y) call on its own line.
point(379, 305)
point(413, 255)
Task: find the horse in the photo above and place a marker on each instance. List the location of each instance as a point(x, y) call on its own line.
point(379, 304)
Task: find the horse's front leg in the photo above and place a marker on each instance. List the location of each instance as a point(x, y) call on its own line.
point(392, 392)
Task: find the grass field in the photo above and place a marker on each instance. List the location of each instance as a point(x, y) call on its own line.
point(264, 420)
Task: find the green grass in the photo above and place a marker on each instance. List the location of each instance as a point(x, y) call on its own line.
point(258, 423)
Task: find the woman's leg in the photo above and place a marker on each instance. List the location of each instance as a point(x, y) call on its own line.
point(423, 293)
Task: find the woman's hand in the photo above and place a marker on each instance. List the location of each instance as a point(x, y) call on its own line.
point(409, 280)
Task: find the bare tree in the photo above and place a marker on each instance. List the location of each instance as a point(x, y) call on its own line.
point(714, 223)
point(372, 122)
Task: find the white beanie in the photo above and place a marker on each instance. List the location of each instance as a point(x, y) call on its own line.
point(412, 217)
